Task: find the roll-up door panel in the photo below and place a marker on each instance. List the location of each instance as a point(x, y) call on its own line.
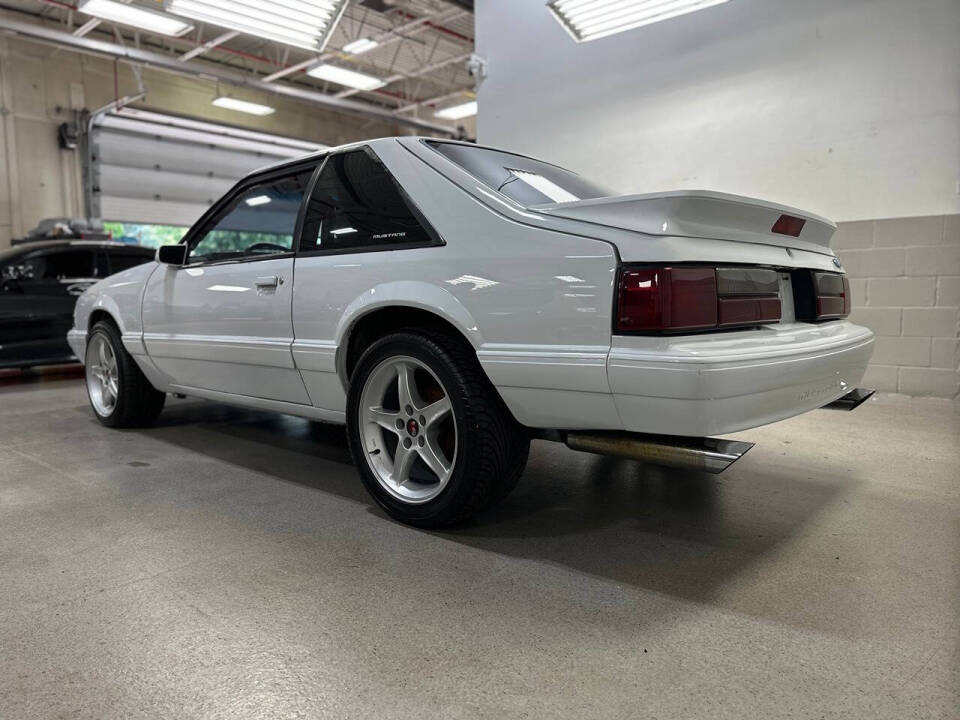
point(150, 153)
point(161, 185)
point(161, 169)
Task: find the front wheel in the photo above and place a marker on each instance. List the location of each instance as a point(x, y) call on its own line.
point(431, 439)
point(120, 394)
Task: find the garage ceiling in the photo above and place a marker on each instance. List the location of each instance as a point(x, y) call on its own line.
point(421, 53)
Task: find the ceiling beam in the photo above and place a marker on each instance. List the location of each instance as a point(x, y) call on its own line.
point(416, 73)
point(385, 37)
point(208, 45)
point(89, 25)
point(434, 100)
point(173, 64)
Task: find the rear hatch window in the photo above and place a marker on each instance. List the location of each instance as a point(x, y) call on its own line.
point(524, 180)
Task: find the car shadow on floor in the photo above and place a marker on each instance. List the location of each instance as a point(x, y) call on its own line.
point(683, 533)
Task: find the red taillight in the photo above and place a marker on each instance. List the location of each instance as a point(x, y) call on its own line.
point(656, 299)
point(832, 291)
point(667, 299)
point(788, 225)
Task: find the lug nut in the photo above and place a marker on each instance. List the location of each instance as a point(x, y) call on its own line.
point(409, 410)
point(399, 424)
point(421, 441)
point(423, 420)
point(406, 442)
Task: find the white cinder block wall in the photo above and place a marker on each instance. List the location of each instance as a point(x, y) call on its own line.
point(905, 279)
point(850, 109)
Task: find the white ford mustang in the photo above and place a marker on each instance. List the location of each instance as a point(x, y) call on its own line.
point(448, 302)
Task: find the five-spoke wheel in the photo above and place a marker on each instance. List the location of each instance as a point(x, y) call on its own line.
point(103, 376)
point(409, 429)
point(431, 437)
point(120, 394)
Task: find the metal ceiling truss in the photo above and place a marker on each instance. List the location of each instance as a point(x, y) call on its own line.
point(173, 64)
point(421, 47)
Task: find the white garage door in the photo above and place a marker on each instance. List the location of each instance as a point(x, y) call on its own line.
point(166, 170)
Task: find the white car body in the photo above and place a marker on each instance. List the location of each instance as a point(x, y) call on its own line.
point(532, 289)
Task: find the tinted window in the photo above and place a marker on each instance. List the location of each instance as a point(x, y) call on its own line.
point(125, 260)
point(64, 265)
point(522, 179)
point(357, 203)
point(260, 221)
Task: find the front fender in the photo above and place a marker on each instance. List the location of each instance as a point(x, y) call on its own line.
point(119, 296)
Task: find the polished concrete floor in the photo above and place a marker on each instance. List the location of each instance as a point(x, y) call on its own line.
point(228, 564)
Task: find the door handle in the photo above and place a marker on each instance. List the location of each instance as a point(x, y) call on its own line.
point(77, 289)
point(268, 281)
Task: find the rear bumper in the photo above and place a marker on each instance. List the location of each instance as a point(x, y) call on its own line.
point(724, 382)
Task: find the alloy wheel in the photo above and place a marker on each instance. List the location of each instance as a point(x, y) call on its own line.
point(103, 377)
point(408, 428)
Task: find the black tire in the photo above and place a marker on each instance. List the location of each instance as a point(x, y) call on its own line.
point(138, 403)
point(491, 445)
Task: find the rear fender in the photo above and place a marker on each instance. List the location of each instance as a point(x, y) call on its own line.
point(404, 293)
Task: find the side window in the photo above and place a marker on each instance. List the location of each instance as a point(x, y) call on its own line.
point(125, 260)
point(259, 222)
point(357, 204)
point(65, 265)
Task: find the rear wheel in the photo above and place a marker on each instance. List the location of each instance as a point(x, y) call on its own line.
point(432, 440)
point(120, 394)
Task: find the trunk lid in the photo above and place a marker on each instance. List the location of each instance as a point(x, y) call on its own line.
point(699, 214)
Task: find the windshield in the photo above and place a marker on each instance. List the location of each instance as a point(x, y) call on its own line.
point(522, 179)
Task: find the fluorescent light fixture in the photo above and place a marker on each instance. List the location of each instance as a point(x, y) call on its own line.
point(342, 76)
point(456, 112)
point(542, 185)
point(360, 46)
point(592, 19)
point(301, 23)
point(136, 16)
point(257, 200)
point(251, 108)
point(343, 231)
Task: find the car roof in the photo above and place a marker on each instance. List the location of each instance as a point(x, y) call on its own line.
point(372, 143)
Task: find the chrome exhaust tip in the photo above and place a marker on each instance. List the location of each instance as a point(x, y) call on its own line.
point(852, 400)
point(710, 455)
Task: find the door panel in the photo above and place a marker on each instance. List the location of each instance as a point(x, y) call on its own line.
point(223, 322)
point(212, 327)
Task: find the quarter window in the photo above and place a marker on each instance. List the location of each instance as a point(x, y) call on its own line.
point(357, 204)
point(259, 222)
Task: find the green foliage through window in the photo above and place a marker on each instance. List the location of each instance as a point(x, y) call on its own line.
point(145, 234)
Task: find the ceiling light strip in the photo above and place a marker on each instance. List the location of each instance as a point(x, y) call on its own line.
point(593, 19)
point(135, 16)
point(344, 76)
point(292, 22)
point(631, 13)
point(283, 15)
point(303, 40)
point(458, 112)
point(249, 16)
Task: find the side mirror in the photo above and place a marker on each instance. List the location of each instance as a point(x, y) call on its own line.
point(172, 254)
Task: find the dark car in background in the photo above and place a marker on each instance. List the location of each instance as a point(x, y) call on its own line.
point(39, 285)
